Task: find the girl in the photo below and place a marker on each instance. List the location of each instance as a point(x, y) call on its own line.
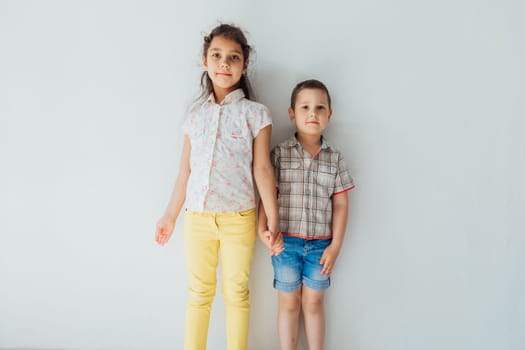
point(226, 135)
point(313, 183)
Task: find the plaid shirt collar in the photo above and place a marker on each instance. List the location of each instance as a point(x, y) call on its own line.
point(234, 96)
point(293, 142)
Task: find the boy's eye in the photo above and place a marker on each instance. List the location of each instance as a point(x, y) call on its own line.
point(320, 107)
point(304, 107)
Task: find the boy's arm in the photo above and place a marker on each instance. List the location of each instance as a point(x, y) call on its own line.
point(264, 177)
point(167, 222)
point(339, 218)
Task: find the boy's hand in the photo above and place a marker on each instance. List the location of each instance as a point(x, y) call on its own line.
point(164, 230)
point(328, 259)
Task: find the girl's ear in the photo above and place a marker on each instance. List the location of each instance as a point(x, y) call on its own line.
point(204, 64)
point(291, 113)
point(246, 63)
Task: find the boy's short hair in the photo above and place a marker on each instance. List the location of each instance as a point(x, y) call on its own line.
point(309, 84)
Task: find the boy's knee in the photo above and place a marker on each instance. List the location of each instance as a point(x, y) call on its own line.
point(290, 302)
point(312, 303)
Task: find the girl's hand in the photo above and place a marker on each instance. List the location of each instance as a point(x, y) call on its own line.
point(276, 238)
point(164, 230)
point(274, 242)
point(328, 259)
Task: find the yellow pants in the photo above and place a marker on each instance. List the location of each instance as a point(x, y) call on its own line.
point(204, 234)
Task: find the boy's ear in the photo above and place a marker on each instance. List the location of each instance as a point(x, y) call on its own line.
point(291, 113)
point(330, 114)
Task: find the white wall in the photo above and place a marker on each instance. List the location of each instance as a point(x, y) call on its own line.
point(428, 111)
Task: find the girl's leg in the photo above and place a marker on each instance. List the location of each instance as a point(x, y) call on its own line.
point(313, 310)
point(201, 248)
point(288, 319)
point(237, 240)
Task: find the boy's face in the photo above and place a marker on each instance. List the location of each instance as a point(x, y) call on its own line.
point(311, 113)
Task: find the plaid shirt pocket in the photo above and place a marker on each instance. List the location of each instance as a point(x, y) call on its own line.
point(326, 175)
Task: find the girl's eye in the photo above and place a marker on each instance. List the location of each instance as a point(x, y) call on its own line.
point(236, 57)
point(215, 55)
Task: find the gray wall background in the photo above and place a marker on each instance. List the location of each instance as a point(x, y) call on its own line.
point(428, 110)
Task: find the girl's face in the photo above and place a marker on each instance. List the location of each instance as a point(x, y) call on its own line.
point(311, 113)
point(225, 65)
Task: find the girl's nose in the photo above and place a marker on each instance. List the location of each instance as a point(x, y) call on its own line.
point(224, 64)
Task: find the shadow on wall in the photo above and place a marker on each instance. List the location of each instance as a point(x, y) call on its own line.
point(273, 85)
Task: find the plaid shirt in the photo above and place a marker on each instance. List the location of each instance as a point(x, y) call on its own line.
point(306, 186)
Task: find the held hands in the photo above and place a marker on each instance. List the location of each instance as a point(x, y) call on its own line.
point(276, 243)
point(164, 230)
point(328, 259)
point(273, 240)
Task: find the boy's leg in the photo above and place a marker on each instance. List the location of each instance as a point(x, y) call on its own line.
point(288, 271)
point(288, 318)
point(314, 285)
point(313, 311)
point(237, 239)
point(201, 248)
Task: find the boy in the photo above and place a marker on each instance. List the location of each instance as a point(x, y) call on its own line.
point(313, 181)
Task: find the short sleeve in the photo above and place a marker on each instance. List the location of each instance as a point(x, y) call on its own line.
point(187, 126)
point(343, 180)
point(259, 117)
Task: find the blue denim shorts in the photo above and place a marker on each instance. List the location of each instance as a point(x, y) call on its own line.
point(299, 264)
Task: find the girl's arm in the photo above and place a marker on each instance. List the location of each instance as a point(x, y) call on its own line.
point(274, 243)
point(262, 223)
point(265, 179)
point(339, 218)
point(166, 224)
